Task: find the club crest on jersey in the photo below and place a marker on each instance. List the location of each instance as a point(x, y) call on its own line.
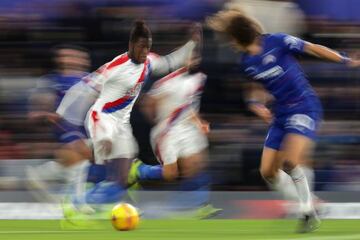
point(135, 90)
point(250, 70)
point(268, 59)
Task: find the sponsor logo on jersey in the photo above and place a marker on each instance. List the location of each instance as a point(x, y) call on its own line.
point(133, 92)
point(270, 73)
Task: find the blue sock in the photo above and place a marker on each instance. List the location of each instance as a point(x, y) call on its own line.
point(194, 191)
point(149, 172)
point(105, 192)
point(96, 173)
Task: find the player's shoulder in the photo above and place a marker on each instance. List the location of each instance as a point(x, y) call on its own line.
point(171, 77)
point(152, 56)
point(278, 36)
point(283, 38)
point(118, 61)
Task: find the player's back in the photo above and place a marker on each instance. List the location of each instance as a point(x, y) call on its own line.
point(278, 70)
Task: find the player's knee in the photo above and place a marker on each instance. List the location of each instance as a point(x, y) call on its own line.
point(267, 173)
point(170, 174)
point(190, 167)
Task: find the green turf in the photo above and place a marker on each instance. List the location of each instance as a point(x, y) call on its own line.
point(183, 229)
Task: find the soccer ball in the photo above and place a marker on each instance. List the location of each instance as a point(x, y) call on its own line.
point(124, 217)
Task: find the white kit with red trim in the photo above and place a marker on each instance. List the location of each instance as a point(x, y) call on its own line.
point(176, 135)
point(109, 118)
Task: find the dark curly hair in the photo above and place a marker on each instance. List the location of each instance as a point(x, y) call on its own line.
point(139, 30)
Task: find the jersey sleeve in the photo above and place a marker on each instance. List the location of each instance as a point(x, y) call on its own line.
point(290, 43)
point(162, 65)
point(97, 78)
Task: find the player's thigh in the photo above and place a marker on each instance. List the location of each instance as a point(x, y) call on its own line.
point(164, 146)
point(271, 158)
point(299, 141)
point(270, 162)
point(192, 144)
point(296, 148)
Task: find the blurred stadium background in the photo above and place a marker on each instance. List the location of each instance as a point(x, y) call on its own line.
point(30, 28)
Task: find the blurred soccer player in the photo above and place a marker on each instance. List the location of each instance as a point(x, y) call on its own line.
point(72, 63)
point(119, 83)
point(269, 59)
point(179, 137)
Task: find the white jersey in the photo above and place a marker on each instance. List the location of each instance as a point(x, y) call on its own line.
point(175, 135)
point(180, 92)
point(122, 80)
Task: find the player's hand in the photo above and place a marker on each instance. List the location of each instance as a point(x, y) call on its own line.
point(106, 146)
point(261, 111)
point(205, 127)
point(196, 33)
point(43, 116)
point(354, 63)
point(53, 117)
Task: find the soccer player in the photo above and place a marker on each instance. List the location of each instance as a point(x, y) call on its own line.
point(72, 63)
point(179, 137)
point(119, 83)
point(270, 60)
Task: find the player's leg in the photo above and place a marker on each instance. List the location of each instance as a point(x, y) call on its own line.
point(71, 164)
point(296, 147)
point(113, 188)
point(194, 179)
point(193, 197)
point(271, 165)
point(75, 157)
point(306, 165)
point(277, 179)
point(162, 145)
point(141, 171)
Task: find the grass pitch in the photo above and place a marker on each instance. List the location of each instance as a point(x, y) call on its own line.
point(182, 229)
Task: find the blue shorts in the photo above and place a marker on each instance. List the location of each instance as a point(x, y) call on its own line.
point(66, 132)
point(305, 124)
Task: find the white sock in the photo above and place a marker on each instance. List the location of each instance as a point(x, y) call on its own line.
point(310, 176)
point(77, 176)
point(302, 187)
point(285, 185)
point(50, 170)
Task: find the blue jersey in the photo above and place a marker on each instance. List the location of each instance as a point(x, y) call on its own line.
point(279, 72)
point(59, 84)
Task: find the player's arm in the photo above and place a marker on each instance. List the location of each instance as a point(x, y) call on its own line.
point(162, 65)
point(41, 103)
point(256, 99)
point(329, 54)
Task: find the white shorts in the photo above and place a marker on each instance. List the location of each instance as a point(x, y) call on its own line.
point(180, 141)
point(102, 126)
